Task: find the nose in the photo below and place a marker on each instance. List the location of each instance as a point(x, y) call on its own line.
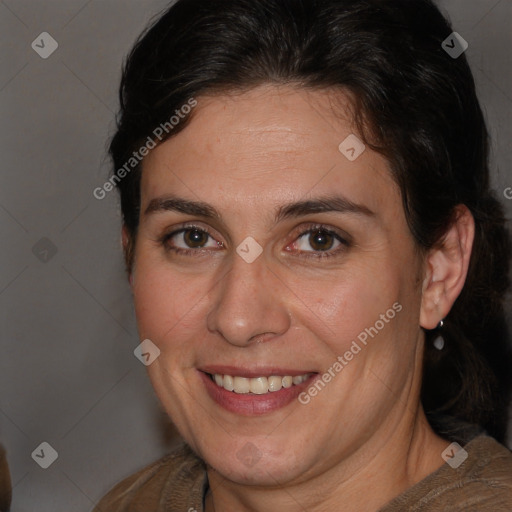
point(249, 304)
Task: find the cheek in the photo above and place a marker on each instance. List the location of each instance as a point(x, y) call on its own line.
point(167, 304)
point(351, 300)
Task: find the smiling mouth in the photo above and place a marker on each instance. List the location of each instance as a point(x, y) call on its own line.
point(257, 385)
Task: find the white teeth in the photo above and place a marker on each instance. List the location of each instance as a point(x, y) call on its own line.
point(229, 383)
point(258, 385)
point(242, 385)
point(287, 381)
point(275, 383)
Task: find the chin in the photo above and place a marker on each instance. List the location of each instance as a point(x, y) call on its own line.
point(243, 462)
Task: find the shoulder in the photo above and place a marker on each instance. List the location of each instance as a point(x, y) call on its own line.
point(491, 462)
point(175, 482)
point(479, 481)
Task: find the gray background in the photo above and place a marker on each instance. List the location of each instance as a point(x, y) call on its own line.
point(68, 375)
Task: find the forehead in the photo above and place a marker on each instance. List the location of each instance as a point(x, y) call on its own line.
point(266, 145)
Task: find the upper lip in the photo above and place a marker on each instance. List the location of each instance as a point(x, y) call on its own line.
point(260, 371)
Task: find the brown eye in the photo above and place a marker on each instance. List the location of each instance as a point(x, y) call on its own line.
point(189, 240)
point(321, 240)
point(195, 238)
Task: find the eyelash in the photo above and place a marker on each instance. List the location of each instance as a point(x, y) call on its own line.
point(344, 243)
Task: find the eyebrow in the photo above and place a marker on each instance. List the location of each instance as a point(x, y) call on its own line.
point(178, 204)
point(328, 204)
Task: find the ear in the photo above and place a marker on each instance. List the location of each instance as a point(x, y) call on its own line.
point(127, 250)
point(446, 268)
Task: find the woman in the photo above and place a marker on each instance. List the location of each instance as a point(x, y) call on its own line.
point(317, 263)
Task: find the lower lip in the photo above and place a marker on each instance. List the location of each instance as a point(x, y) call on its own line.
point(250, 404)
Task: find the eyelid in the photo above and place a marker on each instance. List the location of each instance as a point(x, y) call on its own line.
point(341, 235)
point(182, 226)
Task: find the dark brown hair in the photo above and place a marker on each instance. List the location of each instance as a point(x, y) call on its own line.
point(423, 115)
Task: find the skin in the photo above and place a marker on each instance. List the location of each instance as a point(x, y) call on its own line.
point(364, 438)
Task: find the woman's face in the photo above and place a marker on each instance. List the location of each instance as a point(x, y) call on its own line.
point(334, 296)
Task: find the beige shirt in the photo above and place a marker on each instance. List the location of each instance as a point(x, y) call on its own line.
point(178, 483)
